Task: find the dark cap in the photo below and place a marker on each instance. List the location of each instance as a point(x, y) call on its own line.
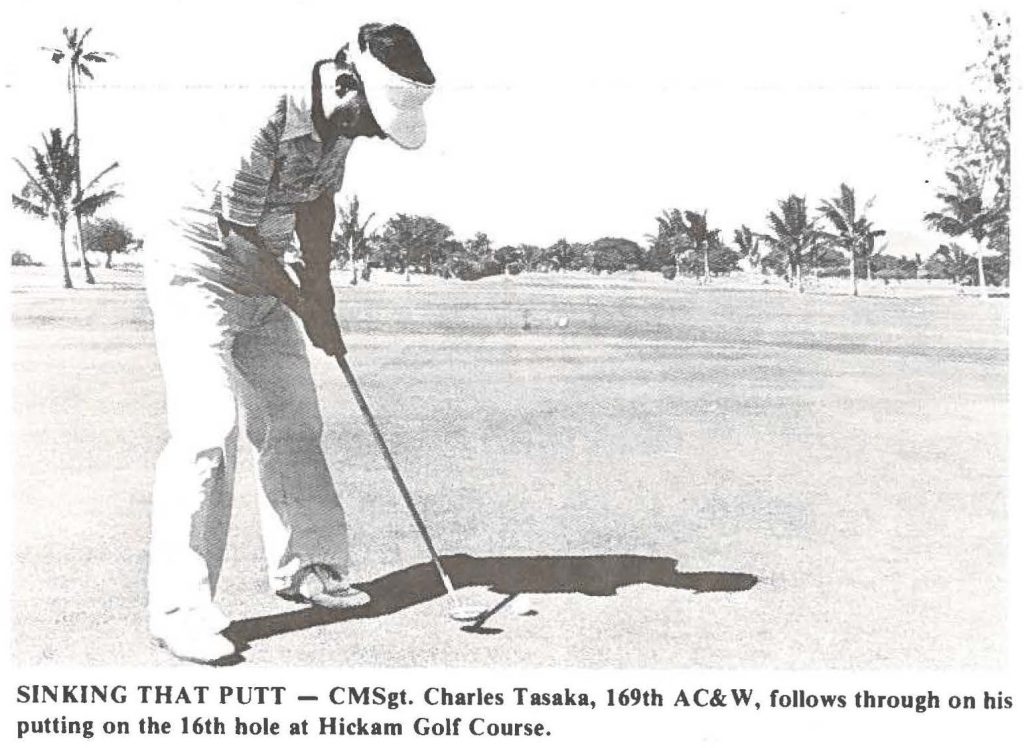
point(397, 49)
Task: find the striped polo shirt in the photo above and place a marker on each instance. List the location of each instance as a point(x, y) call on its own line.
point(286, 164)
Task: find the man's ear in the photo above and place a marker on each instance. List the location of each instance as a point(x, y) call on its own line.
point(344, 82)
point(336, 82)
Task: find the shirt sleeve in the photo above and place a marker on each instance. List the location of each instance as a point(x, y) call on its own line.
point(246, 196)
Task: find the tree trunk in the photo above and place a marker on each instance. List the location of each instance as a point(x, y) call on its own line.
point(799, 279)
point(81, 251)
point(981, 274)
point(707, 268)
point(110, 256)
point(853, 274)
point(78, 175)
point(64, 257)
point(352, 259)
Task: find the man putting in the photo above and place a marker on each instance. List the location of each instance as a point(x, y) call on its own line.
point(221, 296)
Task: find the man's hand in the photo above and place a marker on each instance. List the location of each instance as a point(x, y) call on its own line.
point(312, 300)
point(321, 326)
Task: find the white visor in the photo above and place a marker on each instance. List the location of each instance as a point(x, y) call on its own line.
point(396, 102)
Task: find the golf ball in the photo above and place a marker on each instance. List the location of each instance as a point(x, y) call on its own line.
point(563, 321)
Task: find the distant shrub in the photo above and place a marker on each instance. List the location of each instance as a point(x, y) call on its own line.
point(668, 272)
point(514, 268)
point(474, 270)
point(23, 259)
point(896, 273)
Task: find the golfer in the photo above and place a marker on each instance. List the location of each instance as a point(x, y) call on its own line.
point(223, 296)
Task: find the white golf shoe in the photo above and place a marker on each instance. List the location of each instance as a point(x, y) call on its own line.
point(195, 634)
point(196, 646)
point(323, 586)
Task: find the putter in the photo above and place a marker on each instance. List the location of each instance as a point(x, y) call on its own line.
point(457, 611)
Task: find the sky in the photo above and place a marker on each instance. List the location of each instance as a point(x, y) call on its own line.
point(550, 120)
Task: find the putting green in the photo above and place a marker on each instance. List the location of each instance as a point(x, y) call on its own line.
point(774, 480)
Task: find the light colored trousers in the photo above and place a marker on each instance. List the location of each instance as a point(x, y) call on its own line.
point(214, 345)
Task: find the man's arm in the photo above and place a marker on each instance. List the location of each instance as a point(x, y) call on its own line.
point(271, 273)
point(314, 223)
point(245, 196)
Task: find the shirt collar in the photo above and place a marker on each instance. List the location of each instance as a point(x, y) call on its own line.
point(298, 121)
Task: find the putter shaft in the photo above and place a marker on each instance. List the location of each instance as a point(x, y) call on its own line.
point(402, 488)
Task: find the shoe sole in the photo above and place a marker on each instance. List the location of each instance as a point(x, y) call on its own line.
point(333, 604)
point(160, 643)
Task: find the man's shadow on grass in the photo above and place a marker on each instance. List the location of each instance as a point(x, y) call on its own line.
point(505, 575)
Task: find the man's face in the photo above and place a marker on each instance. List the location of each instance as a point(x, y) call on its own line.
point(344, 102)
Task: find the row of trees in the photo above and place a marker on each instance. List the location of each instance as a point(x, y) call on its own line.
point(839, 239)
point(973, 136)
point(54, 191)
point(420, 244)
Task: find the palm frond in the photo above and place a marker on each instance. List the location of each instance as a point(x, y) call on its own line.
point(32, 180)
point(847, 202)
point(28, 206)
point(89, 205)
point(52, 184)
point(945, 224)
point(99, 176)
point(743, 239)
point(362, 229)
point(778, 225)
point(771, 241)
point(835, 214)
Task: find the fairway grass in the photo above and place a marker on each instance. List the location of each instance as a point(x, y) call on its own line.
point(758, 478)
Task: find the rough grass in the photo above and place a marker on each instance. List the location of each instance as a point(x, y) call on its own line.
point(757, 478)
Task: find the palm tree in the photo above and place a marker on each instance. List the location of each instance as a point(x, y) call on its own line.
point(794, 234)
point(965, 213)
point(701, 239)
point(351, 234)
point(854, 234)
point(750, 246)
point(672, 237)
point(77, 57)
point(871, 251)
point(955, 260)
point(680, 232)
point(52, 189)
